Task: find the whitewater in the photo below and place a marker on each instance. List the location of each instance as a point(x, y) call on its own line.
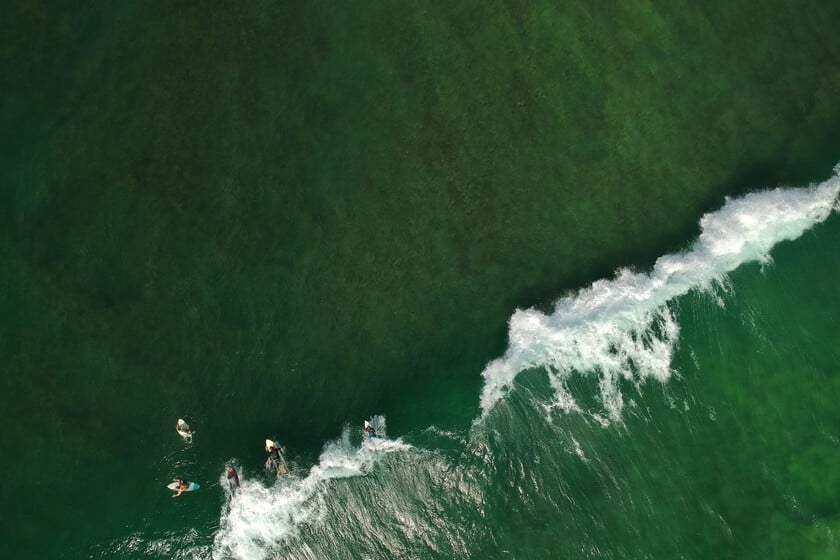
point(622, 328)
point(399, 498)
point(617, 329)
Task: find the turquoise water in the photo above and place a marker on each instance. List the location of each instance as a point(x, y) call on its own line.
point(278, 220)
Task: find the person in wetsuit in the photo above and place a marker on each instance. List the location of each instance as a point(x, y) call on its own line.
point(276, 459)
point(233, 479)
point(370, 431)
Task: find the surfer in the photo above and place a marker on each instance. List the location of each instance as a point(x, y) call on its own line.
point(182, 487)
point(275, 457)
point(370, 431)
point(184, 430)
point(233, 479)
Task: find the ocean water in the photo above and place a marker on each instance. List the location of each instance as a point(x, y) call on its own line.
point(687, 411)
point(581, 262)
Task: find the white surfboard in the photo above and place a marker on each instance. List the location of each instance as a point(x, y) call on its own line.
point(184, 430)
point(282, 468)
point(190, 486)
point(377, 424)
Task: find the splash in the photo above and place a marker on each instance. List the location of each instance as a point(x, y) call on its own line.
point(260, 519)
point(623, 328)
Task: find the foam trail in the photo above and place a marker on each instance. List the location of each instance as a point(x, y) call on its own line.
point(260, 519)
point(622, 328)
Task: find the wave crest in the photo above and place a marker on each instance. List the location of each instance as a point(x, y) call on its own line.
point(623, 328)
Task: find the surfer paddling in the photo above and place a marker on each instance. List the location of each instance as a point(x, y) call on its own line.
point(182, 487)
point(184, 430)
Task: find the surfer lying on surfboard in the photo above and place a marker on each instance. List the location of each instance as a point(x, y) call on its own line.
point(370, 430)
point(184, 430)
point(182, 487)
point(275, 457)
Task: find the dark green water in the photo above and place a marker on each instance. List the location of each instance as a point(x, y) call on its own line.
point(275, 219)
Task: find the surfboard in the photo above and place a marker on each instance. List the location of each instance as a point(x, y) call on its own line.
point(378, 428)
point(183, 430)
point(190, 486)
point(234, 482)
point(367, 425)
point(268, 445)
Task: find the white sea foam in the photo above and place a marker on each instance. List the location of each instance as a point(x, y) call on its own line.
point(623, 328)
point(260, 518)
point(175, 546)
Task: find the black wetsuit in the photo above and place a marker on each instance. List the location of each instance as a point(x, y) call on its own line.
point(275, 457)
